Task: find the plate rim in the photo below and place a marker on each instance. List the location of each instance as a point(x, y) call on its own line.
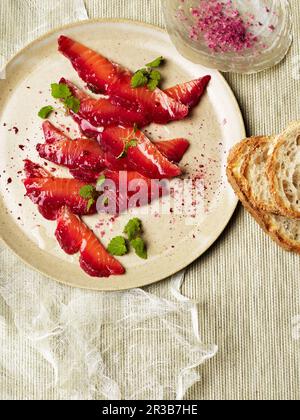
point(239, 114)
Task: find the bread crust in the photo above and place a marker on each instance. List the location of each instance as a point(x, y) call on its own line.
point(270, 207)
point(267, 221)
point(275, 232)
point(272, 172)
point(237, 185)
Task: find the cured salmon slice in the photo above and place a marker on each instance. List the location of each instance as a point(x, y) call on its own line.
point(50, 193)
point(86, 158)
point(104, 113)
point(74, 236)
point(189, 93)
point(174, 150)
point(61, 150)
point(137, 151)
point(111, 79)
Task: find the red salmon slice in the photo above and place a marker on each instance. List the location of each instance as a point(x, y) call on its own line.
point(50, 194)
point(74, 153)
point(174, 150)
point(52, 134)
point(103, 113)
point(61, 150)
point(144, 157)
point(156, 105)
point(189, 93)
point(81, 156)
point(74, 236)
point(123, 195)
point(33, 170)
point(111, 79)
point(85, 175)
point(91, 67)
point(163, 146)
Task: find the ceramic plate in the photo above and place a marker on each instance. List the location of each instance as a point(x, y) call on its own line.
point(175, 238)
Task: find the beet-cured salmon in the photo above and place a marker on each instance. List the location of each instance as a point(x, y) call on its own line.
point(104, 113)
point(50, 193)
point(74, 236)
point(189, 93)
point(73, 154)
point(111, 79)
point(173, 149)
point(137, 151)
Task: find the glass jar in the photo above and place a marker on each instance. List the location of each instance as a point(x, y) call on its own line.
point(245, 36)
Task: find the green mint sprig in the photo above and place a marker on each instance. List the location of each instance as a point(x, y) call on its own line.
point(148, 76)
point(118, 246)
point(133, 230)
point(45, 112)
point(138, 244)
point(89, 193)
point(63, 92)
point(129, 142)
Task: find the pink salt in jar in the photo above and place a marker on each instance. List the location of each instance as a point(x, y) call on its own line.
point(230, 35)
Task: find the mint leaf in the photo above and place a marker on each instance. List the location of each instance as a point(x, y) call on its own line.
point(155, 75)
point(87, 192)
point(60, 91)
point(156, 63)
point(139, 79)
point(138, 244)
point(128, 145)
point(133, 228)
point(148, 77)
point(155, 78)
point(100, 182)
point(63, 92)
point(118, 246)
point(131, 143)
point(90, 204)
point(45, 112)
point(152, 85)
point(72, 104)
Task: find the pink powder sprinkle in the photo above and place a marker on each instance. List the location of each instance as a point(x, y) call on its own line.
point(222, 26)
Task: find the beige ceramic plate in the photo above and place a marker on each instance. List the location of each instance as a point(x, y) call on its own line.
point(174, 240)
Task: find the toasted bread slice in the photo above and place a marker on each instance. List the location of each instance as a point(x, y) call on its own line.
point(284, 231)
point(235, 168)
point(283, 170)
point(254, 174)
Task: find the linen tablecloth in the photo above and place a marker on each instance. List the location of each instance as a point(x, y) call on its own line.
point(248, 289)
